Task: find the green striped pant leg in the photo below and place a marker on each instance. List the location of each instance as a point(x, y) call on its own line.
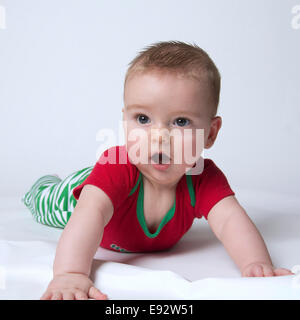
point(50, 199)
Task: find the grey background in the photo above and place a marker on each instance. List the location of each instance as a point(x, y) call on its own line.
point(62, 67)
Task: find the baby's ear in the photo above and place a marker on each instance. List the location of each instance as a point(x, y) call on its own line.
point(123, 110)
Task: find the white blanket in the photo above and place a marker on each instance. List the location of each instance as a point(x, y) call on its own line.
point(198, 267)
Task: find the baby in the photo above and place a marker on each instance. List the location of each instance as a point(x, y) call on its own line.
point(138, 197)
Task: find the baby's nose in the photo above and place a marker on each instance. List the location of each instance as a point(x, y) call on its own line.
point(160, 135)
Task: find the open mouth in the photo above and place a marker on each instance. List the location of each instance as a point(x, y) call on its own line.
point(160, 158)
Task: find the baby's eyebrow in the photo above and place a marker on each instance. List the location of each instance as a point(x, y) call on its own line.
point(137, 106)
point(185, 112)
point(180, 112)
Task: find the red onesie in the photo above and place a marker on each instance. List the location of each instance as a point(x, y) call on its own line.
point(122, 182)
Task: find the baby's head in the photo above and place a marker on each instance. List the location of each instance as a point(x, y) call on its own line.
point(170, 86)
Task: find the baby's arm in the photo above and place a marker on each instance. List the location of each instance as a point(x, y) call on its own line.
point(232, 226)
point(77, 247)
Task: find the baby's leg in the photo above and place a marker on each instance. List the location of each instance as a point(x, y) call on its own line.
point(50, 199)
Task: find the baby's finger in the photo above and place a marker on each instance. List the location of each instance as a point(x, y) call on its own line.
point(46, 296)
point(80, 295)
point(282, 272)
point(268, 271)
point(257, 271)
point(68, 295)
point(247, 272)
point(95, 293)
point(56, 296)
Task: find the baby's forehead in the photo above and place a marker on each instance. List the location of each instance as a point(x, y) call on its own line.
point(166, 81)
point(174, 86)
point(167, 90)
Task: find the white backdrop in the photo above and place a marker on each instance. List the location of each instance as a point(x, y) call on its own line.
point(62, 67)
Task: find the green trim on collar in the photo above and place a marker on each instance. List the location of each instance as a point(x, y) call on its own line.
point(140, 214)
point(191, 189)
point(137, 183)
point(169, 215)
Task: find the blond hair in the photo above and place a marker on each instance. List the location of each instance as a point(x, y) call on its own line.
point(181, 58)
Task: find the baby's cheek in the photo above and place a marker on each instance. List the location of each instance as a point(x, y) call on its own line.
point(193, 145)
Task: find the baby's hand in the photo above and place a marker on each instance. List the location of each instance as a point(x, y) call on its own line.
point(72, 286)
point(257, 269)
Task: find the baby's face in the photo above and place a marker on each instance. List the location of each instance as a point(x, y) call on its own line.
point(162, 113)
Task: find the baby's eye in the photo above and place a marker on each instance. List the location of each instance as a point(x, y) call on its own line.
point(142, 118)
point(181, 122)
